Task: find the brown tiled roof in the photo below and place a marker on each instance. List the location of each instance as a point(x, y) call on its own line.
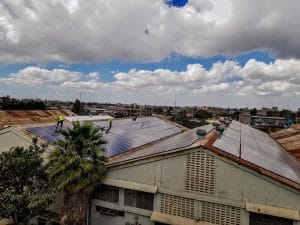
point(21, 117)
point(289, 139)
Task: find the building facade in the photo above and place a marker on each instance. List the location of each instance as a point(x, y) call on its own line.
point(192, 186)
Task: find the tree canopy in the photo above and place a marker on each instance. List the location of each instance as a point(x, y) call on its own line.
point(25, 190)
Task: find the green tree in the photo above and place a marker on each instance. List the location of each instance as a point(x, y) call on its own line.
point(77, 107)
point(25, 190)
point(76, 167)
point(253, 112)
point(203, 114)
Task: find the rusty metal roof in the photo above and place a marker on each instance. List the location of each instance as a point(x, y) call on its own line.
point(289, 139)
point(22, 117)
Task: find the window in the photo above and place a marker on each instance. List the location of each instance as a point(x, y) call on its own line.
point(109, 212)
point(107, 193)
point(261, 219)
point(138, 199)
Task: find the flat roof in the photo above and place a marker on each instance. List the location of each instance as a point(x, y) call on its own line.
point(88, 118)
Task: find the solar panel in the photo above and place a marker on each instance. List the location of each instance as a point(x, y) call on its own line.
point(258, 148)
point(228, 145)
point(47, 133)
point(126, 134)
point(178, 141)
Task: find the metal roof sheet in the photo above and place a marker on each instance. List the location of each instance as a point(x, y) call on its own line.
point(260, 149)
point(88, 118)
point(289, 139)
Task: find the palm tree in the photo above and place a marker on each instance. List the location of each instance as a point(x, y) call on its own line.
point(77, 166)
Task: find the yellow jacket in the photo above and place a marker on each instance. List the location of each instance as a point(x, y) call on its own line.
point(60, 118)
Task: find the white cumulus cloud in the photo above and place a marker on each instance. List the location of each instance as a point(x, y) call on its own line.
point(143, 30)
point(224, 83)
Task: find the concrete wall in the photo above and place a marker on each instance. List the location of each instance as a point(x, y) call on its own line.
point(234, 185)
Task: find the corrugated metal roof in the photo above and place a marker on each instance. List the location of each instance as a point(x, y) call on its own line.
point(289, 139)
point(21, 117)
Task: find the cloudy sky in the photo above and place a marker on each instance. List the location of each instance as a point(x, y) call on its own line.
point(230, 53)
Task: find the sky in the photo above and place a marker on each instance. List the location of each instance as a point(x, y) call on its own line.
point(229, 53)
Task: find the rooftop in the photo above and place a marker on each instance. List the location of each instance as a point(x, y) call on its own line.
point(130, 140)
point(289, 139)
point(124, 135)
point(240, 143)
point(22, 117)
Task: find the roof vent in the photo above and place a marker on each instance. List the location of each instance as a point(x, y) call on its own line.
point(201, 133)
point(216, 124)
point(220, 130)
point(227, 122)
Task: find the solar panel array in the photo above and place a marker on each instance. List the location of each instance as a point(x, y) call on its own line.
point(230, 141)
point(46, 133)
point(178, 141)
point(126, 134)
point(258, 148)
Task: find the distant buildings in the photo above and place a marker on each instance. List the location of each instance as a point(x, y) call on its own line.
point(269, 121)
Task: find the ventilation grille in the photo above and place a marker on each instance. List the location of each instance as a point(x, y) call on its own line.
point(200, 173)
point(220, 214)
point(177, 206)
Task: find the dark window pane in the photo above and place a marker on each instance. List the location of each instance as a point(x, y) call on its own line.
point(138, 199)
point(109, 212)
point(107, 193)
point(130, 197)
point(260, 219)
point(144, 200)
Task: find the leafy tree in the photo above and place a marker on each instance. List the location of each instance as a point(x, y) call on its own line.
point(15, 104)
point(272, 113)
point(77, 166)
point(181, 118)
point(203, 114)
point(253, 112)
point(25, 190)
point(77, 107)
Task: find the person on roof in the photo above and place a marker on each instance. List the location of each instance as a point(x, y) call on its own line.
point(60, 121)
point(109, 125)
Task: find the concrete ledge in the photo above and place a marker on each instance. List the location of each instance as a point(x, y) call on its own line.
point(176, 220)
point(131, 185)
point(293, 214)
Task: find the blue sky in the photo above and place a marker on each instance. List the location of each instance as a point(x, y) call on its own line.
point(174, 62)
point(199, 52)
